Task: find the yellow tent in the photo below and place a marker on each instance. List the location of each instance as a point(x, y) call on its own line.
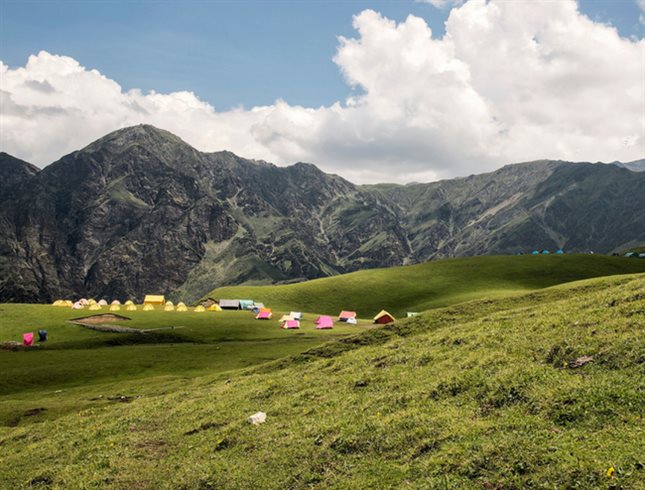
point(58, 302)
point(169, 306)
point(170, 303)
point(181, 307)
point(148, 307)
point(199, 309)
point(131, 307)
point(91, 301)
point(115, 302)
point(69, 303)
point(154, 299)
point(115, 308)
point(102, 302)
point(94, 307)
point(383, 317)
point(214, 307)
point(129, 302)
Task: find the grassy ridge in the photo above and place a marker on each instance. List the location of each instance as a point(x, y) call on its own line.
point(433, 284)
point(477, 395)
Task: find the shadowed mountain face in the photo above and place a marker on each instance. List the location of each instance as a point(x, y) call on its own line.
point(141, 211)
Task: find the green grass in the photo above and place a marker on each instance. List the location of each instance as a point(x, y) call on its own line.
point(433, 284)
point(475, 395)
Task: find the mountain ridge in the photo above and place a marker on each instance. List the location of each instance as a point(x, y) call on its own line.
point(140, 210)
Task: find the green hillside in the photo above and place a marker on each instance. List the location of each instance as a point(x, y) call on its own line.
point(433, 284)
point(479, 395)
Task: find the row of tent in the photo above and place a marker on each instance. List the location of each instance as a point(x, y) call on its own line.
point(129, 305)
point(546, 252)
point(324, 322)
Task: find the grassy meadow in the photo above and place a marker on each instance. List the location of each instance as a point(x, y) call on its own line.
point(476, 392)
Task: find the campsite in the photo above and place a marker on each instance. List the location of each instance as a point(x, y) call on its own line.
point(184, 387)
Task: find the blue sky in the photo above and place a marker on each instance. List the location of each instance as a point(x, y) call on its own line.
point(229, 53)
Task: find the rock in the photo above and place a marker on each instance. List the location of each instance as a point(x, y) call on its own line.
point(258, 418)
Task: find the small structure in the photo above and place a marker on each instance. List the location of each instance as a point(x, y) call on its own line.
point(545, 252)
point(115, 302)
point(114, 307)
point(102, 302)
point(42, 335)
point(83, 301)
point(94, 307)
point(181, 306)
point(284, 318)
point(559, 252)
point(214, 307)
point(77, 306)
point(351, 321)
point(199, 309)
point(28, 339)
point(154, 299)
point(247, 304)
point(169, 306)
point(257, 307)
point(411, 314)
point(291, 324)
point(58, 302)
point(128, 302)
point(535, 252)
point(324, 322)
point(346, 315)
point(91, 301)
point(264, 314)
point(296, 315)
point(148, 307)
point(131, 307)
point(641, 256)
point(229, 304)
point(383, 317)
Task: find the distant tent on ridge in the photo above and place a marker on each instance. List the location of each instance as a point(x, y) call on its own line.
point(181, 306)
point(229, 304)
point(148, 307)
point(199, 309)
point(154, 299)
point(102, 302)
point(324, 322)
point(114, 308)
point(383, 317)
point(77, 306)
point(28, 339)
point(535, 252)
point(131, 307)
point(264, 315)
point(559, 252)
point(346, 315)
point(291, 324)
point(214, 307)
point(116, 302)
point(94, 307)
point(284, 318)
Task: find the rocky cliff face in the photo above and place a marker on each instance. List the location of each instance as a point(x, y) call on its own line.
point(141, 211)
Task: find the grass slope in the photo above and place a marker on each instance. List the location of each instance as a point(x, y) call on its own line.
point(477, 395)
point(433, 284)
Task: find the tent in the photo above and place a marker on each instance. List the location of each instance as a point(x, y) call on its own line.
point(69, 303)
point(102, 302)
point(148, 307)
point(641, 256)
point(214, 307)
point(264, 315)
point(351, 321)
point(630, 254)
point(383, 317)
point(94, 307)
point(131, 307)
point(229, 304)
point(560, 252)
point(58, 302)
point(285, 318)
point(346, 315)
point(181, 306)
point(42, 335)
point(324, 322)
point(246, 304)
point(154, 299)
point(410, 314)
point(91, 301)
point(77, 306)
point(115, 308)
point(83, 301)
point(129, 302)
point(28, 339)
point(116, 302)
point(296, 315)
point(257, 307)
point(199, 309)
point(291, 324)
point(535, 252)
point(169, 306)
point(545, 252)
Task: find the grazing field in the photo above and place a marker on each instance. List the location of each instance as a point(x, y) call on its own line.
point(539, 390)
point(434, 284)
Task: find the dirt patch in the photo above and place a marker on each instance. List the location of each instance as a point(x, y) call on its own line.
point(100, 318)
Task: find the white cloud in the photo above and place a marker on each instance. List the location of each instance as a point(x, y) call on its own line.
point(641, 5)
point(510, 81)
point(442, 4)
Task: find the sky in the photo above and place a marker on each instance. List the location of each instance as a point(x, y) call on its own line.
point(372, 90)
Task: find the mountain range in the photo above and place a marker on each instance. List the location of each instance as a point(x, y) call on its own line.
point(141, 211)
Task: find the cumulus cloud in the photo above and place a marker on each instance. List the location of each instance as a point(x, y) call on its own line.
point(441, 4)
point(509, 81)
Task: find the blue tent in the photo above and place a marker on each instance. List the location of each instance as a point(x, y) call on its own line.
point(545, 252)
point(560, 252)
point(535, 252)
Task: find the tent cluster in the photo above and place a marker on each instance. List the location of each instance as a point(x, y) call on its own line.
point(547, 252)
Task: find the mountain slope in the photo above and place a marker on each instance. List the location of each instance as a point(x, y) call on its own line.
point(140, 211)
point(480, 395)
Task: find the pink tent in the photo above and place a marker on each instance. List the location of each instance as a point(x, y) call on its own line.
point(324, 322)
point(264, 315)
point(291, 324)
point(346, 315)
point(28, 338)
